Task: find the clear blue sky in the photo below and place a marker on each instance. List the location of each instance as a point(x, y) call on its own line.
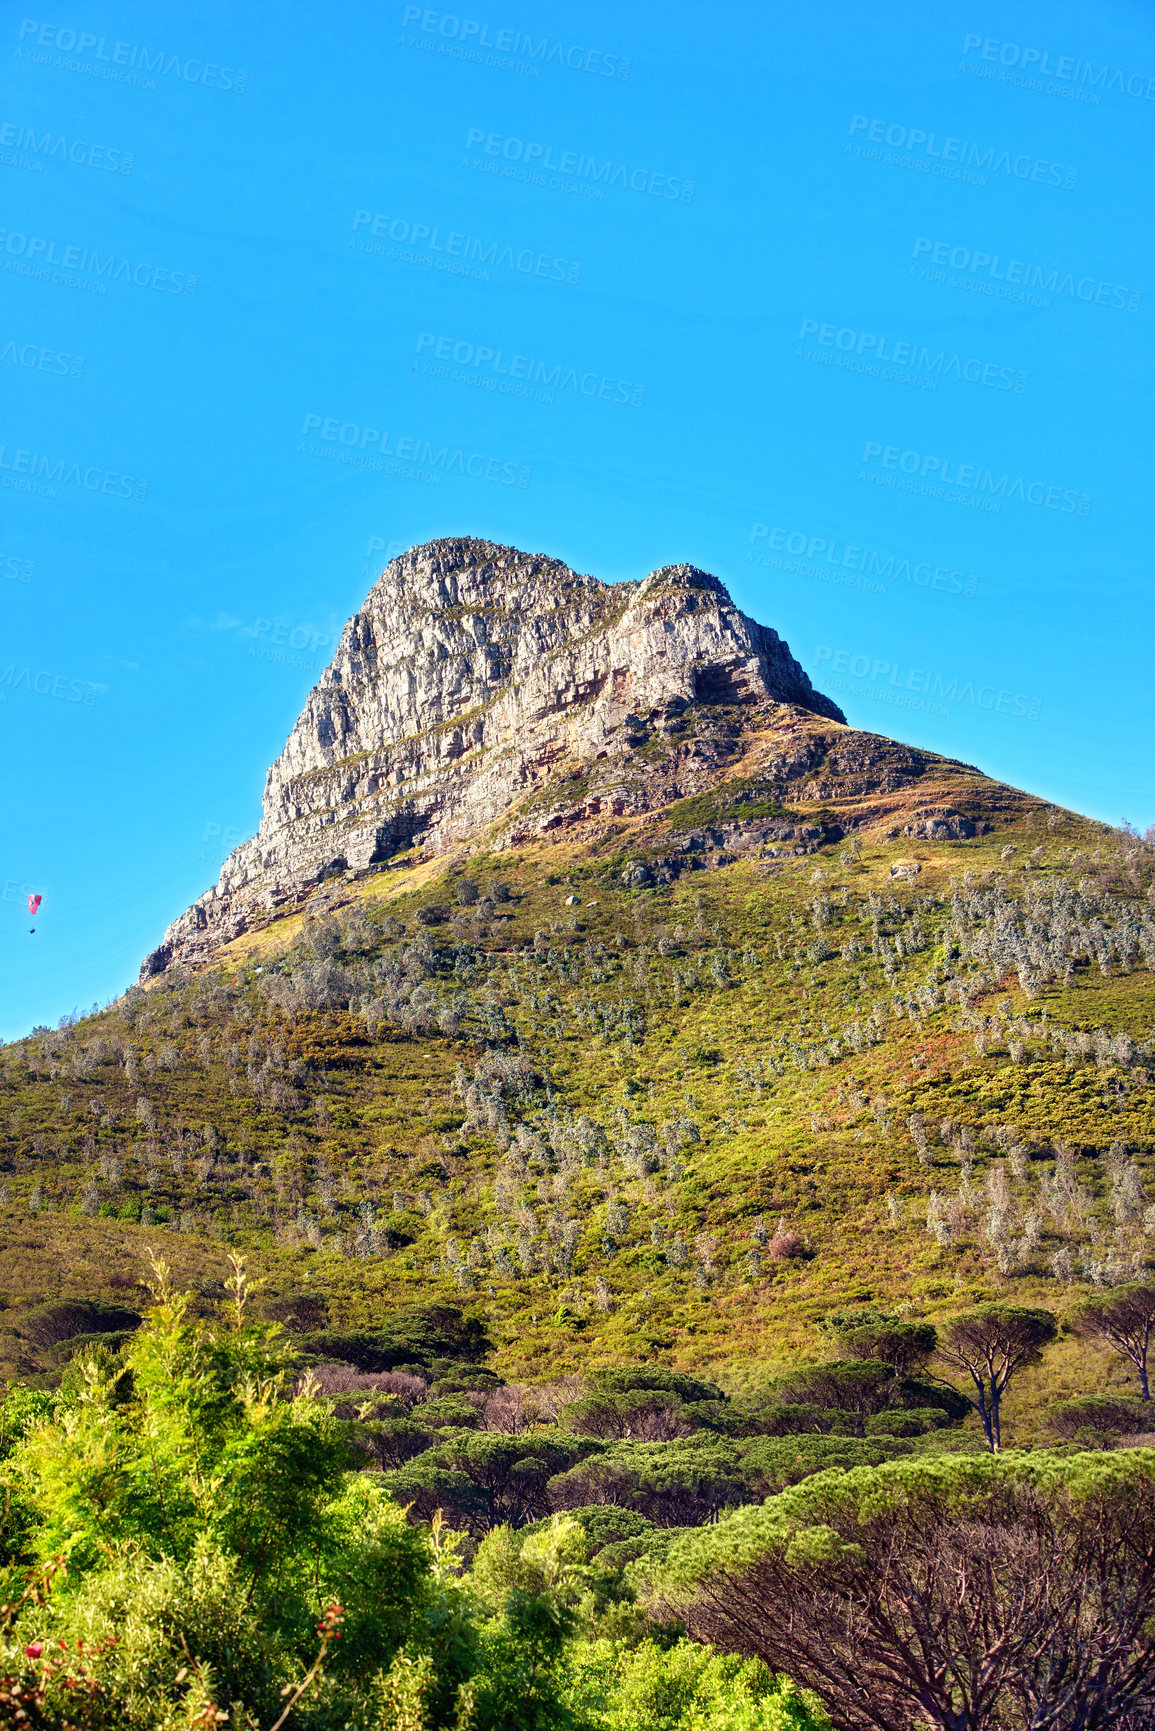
point(851, 305)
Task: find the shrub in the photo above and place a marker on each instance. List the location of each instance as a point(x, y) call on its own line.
point(852, 1384)
point(1096, 1419)
point(904, 1346)
point(48, 1324)
point(301, 1312)
point(622, 1378)
point(786, 1245)
point(207, 1516)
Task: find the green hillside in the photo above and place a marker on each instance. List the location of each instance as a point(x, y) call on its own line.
point(628, 1092)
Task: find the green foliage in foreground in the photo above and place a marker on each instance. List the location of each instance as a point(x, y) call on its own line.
point(187, 1544)
point(683, 1688)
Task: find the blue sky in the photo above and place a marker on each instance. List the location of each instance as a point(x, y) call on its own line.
point(848, 305)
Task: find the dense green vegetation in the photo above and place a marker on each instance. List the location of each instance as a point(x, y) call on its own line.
point(187, 1541)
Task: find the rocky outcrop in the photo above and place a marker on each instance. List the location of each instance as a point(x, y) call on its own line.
point(942, 824)
point(474, 676)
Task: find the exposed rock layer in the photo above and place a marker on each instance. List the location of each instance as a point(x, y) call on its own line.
point(471, 676)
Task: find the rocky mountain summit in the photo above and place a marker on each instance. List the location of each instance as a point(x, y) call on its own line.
point(483, 694)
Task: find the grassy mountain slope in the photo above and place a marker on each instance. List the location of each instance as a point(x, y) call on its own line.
point(854, 1024)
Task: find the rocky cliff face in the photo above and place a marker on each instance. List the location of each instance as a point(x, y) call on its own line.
point(473, 676)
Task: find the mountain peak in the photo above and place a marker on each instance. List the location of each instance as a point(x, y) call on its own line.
point(472, 673)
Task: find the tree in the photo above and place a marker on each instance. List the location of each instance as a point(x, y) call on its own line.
point(302, 1312)
point(960, 1593)
point(523, 1654)
point(991, 1343)
point(852, 1385)
point(484, 1479)
point(677, 1485)
point(904, 1346)
point(643, 1415)
point(1124, 1319)
point(393, 1441)
point(551, 1556)
point(206, 1444)
point(683, 1686)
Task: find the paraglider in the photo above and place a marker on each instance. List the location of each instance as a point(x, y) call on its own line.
point(33, 904)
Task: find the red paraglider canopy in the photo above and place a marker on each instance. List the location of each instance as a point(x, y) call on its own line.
point(33, 904)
